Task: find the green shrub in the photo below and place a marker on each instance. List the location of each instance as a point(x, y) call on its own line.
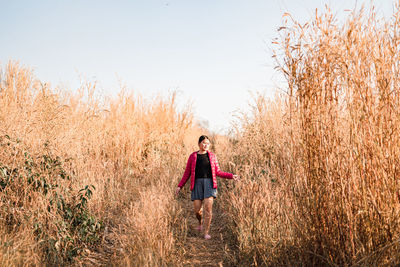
point(41, 188)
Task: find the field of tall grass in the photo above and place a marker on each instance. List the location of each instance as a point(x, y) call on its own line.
point(320, 163)
point(89, 180)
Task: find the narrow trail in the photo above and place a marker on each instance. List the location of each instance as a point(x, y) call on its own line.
point(202, 252)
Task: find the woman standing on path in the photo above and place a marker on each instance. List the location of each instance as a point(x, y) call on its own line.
point(202, 166)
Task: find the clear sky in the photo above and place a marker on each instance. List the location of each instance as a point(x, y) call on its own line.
point(214, 53)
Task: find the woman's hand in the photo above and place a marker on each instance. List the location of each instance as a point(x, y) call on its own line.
point(236, 177)
point(177, 190)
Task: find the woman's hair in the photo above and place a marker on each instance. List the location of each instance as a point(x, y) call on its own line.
point(201, 138)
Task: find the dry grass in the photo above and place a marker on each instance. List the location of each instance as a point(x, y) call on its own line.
point(257, 206)
point(57, 143)
point(320, 164)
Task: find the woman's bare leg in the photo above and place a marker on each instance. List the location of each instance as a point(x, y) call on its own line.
point(197, 210)
point(208, 202)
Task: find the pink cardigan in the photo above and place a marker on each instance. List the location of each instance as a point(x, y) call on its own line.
point(191, 167)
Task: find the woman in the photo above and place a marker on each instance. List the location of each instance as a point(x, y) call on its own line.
point(202, 166)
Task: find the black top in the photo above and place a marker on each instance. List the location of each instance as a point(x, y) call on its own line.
point(203, 166)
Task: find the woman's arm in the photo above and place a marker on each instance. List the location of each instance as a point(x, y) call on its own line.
point(186, 174)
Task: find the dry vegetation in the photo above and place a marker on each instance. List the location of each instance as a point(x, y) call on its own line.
point(320, 164)
point(88, 181)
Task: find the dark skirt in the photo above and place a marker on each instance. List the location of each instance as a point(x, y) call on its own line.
point(203, 188)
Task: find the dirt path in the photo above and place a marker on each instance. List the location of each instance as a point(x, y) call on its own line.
point(201, 252)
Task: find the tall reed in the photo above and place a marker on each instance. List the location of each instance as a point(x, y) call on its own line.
point(321, 165)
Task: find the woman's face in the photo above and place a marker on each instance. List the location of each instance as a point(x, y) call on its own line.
point(204, 145)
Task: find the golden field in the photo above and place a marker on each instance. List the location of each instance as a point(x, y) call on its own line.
point(90, 181)
point(84, 180)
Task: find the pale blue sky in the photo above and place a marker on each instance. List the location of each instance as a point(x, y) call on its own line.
point(213, 52)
